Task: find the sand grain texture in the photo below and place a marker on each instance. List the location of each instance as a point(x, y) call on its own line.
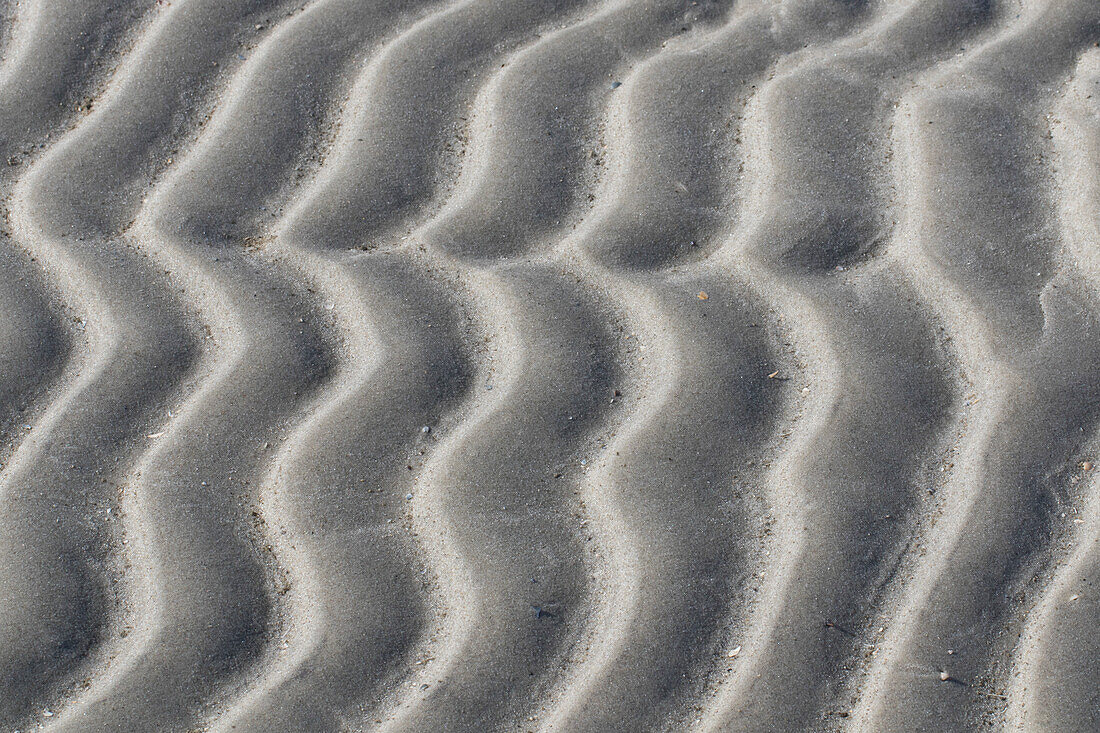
point(560, 365)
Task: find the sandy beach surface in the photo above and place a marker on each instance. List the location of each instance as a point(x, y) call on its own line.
point(549, 365)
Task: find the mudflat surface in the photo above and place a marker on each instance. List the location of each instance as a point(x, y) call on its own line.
point(549, 365)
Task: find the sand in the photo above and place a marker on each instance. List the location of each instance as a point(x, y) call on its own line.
point(549, 365)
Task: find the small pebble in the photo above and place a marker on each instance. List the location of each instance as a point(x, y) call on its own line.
point(1087, 465)
point(944, 676)
point(408, 497)
point(426, 429)
point(616, 84)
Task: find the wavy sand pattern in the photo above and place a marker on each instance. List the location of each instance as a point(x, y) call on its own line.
point(549, 365)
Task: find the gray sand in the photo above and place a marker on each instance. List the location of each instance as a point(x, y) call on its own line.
point(549, 365)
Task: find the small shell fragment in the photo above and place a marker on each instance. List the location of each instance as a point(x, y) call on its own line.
point(734, 652)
